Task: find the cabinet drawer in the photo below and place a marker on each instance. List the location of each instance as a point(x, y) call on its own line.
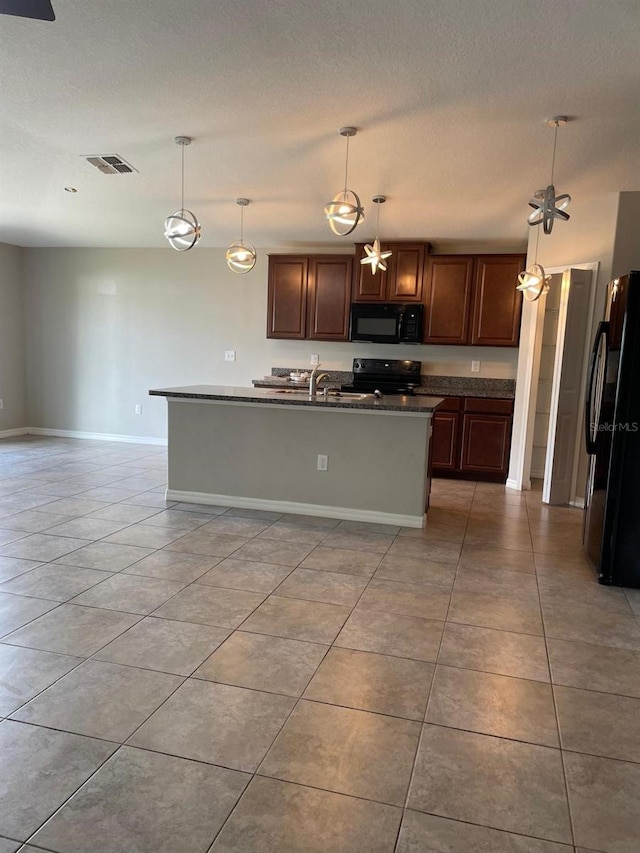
point(491, 406)
point(450, 404)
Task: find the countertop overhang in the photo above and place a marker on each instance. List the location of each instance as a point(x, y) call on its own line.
point(222, 393)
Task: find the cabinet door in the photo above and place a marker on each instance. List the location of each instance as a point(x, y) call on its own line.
point(497, 304)
point(406, 271)
point(366, 286)
point(329, 297)
point(287, 303)
point(448, 299)
point(445, 441)
point(486, 440)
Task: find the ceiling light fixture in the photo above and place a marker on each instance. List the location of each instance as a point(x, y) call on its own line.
point(534, 282)
point(546, 205)
point(182, 229)
point(374, 256)
point(241, 255)
point(345, 210)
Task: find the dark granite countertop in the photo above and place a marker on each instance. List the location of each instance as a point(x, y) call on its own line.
point(389, 403)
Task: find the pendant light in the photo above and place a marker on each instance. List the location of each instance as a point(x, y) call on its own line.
point(374, 256)
point(534, 282)
point(547, 206)
point(241, 255)
point(182, 229)
point(345, 211)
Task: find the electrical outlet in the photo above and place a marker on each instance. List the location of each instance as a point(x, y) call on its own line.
point(323, 462)
point(137, 409)
point(315, 358)
point(475, 367)
point(229, 355)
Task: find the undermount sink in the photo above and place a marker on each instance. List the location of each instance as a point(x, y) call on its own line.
point(304, 392)
point(350, 395)
point(300, 393)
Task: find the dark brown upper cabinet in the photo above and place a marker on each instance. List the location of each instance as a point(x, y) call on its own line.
point(403, 280)
point(309, 297)
point(472, 299)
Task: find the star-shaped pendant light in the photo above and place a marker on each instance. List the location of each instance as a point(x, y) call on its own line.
point(374, 256)
point(547, 206)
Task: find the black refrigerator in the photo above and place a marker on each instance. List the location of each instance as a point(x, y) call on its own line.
point(611, 532)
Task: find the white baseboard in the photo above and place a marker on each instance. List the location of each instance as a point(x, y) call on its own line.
point(513, 484)
point(97, 436)
point(8, 433)
point(346, 513)
point(577, 502)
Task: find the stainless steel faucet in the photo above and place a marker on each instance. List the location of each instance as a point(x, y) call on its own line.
point(314, 379)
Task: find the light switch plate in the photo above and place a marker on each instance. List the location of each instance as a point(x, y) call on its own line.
point(475, 367)
point(229, 355)
point(315, 358)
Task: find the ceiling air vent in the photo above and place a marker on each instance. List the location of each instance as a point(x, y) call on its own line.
point(110, 164)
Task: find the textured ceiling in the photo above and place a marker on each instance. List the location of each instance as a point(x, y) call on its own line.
point(449, 96)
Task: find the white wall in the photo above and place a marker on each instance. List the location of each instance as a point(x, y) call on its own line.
point(105, 325)
point(13, 415)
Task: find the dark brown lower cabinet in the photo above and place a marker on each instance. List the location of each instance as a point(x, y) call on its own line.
point(472, 438)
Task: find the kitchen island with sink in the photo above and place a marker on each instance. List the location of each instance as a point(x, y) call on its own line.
point(259, 448)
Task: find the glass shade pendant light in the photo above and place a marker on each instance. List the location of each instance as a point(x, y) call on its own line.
point(182, 229)
point(345, 210)
point(241, 255)
point(374, 256)
point(547, 206)
point(534, 282)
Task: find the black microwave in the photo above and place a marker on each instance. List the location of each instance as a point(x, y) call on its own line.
point(386, 323)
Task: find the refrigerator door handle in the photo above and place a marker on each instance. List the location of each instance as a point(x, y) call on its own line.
point(594, 388)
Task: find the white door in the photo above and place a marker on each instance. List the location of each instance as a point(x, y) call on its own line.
point(565, 419)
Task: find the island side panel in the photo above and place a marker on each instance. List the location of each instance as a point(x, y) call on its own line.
point(377, 462)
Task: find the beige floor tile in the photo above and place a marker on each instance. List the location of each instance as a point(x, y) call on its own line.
point(372, 682)
point(210, 544)
point(603, 794)
point(210, 605)
point(262, 662)
point(499, 652)
point(392, 634)
point(298, 620)
point(599, 723)
point(406, 599)
point(245, 574)
point(100, 699)
point(216, 723)
point(18, 610)
point(591, 625)
point(54, 582)
point(486, 610)
point(345, 751)
point(130, 593)
point(32, 757)
point(272, 551)
point(602, 668)
point(164, 645)
point(493, 705)
point(25, 672)
point(173, 565)
point(328, 587)
point(505, 784)
point(106, 556)
point(170, 804)
point(423, 832)
point(309, 820)
point(416, 570)
point(363, 563)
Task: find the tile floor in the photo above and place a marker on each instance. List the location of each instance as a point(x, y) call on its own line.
point(189, 678)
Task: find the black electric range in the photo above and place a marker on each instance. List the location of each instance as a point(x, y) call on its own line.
point(387, 376)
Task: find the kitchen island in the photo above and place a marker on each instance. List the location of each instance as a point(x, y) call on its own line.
point(258, 448)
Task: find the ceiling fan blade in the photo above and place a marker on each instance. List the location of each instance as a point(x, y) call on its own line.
point(42, 10)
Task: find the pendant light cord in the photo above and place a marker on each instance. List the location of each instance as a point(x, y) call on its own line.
point(242, 223)
point(553, 159)
point(346, 168)
point(182, 183)
point(378, 221)
point(535, 257)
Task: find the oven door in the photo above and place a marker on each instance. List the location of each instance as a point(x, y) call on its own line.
point(375, 322)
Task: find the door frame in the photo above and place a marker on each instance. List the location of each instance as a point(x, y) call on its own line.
point(528, 374)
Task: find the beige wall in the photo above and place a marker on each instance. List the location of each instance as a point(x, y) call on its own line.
point(105, 325)
point(13, 415)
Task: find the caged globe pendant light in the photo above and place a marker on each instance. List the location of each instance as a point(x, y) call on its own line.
point(182, 229)
point(547, 206)
point(534, 282)
point(374, 256)
point(241, 255)
point(345, 210)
